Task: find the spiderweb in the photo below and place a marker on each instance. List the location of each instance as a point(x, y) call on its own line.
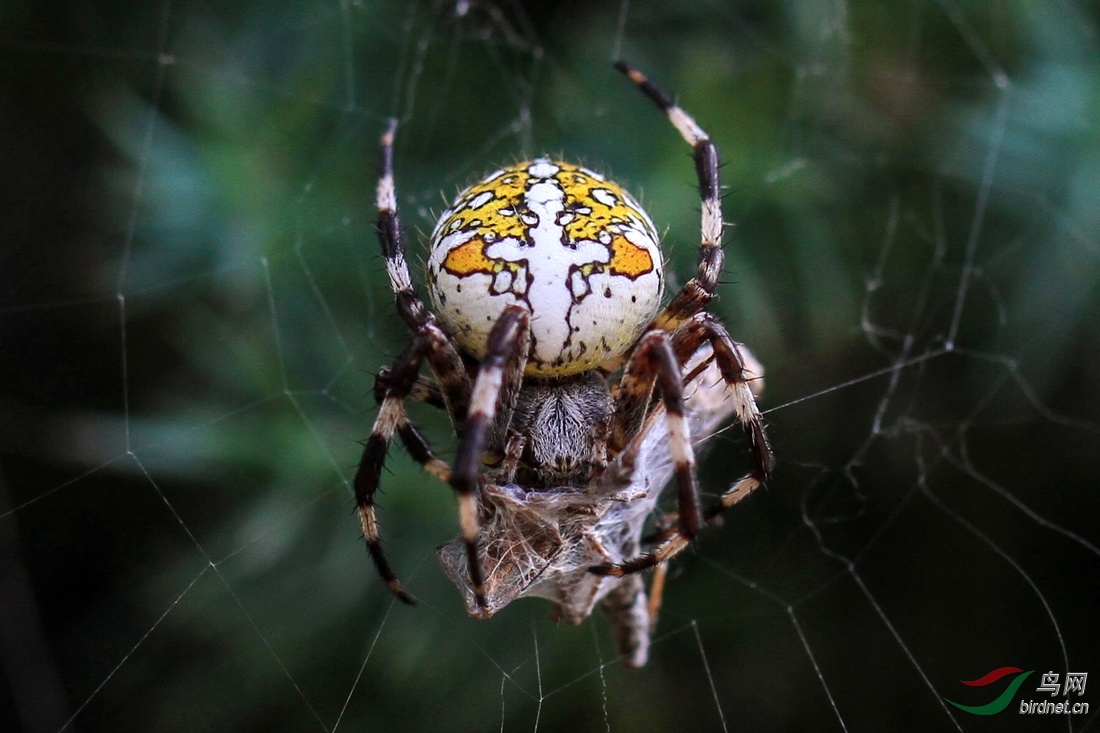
point(193, 305)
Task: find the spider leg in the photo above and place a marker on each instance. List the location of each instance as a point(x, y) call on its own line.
point(654, 361)
point(423, 390)
point(446, 364)
point(391, 418)
point(656, 594)
point(514, 444)
point(498, 379)
point(393, 386)
point(703, 328)
point(698, 291)
point(626, 609)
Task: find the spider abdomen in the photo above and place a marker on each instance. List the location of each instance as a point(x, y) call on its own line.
point(572, 247)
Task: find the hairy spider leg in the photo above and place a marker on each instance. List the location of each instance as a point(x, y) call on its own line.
point(498, 380)
point(652, 362)
point(704, 328)
point(391, 418)
point(429, 342)
point(423, 390)
point(443, 357)
point(698, 291)
point(626, 608)
point(692, 327)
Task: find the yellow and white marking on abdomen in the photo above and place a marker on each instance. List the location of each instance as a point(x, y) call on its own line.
point(571, 246)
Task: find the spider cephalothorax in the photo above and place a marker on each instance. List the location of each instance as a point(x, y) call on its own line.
point(547, 281)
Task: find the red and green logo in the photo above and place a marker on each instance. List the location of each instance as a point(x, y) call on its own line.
point(991, 708)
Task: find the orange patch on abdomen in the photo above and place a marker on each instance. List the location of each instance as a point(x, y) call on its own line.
point(628, 258)
point(469, 259)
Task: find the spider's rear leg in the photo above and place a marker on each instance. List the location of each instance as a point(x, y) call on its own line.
point(497, 383)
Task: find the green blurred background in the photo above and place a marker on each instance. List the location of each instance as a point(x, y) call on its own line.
point(192, 306)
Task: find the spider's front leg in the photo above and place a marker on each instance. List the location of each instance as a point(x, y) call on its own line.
point(446, 364)
point(429, 342)
point(498, 381)
point(698, 291)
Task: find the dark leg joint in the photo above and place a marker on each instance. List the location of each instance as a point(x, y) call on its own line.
point(650, 89)
point(706, 166)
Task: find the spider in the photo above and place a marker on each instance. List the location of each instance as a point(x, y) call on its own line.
point(545, 281)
